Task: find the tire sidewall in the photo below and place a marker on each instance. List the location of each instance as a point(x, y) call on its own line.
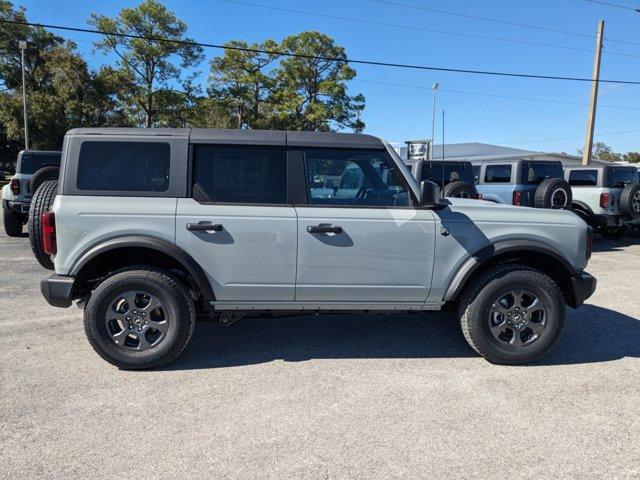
point(548, 187)
point(96, 329)
point(455, 188)
point(544, 289)
point(626, 199)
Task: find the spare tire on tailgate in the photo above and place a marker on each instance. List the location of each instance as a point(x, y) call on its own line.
point(630, 201)
point(42, 202)
point(553, 193)
point(44, 174)
point(459, 189)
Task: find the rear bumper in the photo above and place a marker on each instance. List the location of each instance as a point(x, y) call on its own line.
point(20, 207)
point(58, 290)
point(582, 287)
point(606, 220)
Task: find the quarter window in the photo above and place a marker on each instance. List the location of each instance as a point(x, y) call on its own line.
point(232, 174)
point(497, 174)
point(583, 178)
point(354, 177)
point(124, 166)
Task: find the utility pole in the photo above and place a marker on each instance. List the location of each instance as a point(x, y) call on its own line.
point(22, 44)
point(435, 87)
point(591, 119)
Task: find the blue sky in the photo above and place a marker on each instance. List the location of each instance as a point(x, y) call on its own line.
point(401, 112)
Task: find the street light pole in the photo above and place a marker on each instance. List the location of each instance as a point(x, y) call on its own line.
point(435, 87)
point(22, 44)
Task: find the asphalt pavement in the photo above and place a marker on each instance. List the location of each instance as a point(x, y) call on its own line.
point(322, 397)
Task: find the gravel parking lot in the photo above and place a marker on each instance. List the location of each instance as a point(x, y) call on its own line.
point(322, 396)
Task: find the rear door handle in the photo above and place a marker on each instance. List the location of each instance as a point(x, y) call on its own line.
point(324, 229)
point(204, 227)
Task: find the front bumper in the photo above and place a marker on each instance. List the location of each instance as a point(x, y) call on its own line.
point(58, 290)
point(582, 287)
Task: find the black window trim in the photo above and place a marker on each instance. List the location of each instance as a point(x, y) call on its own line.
point(192, 147)
point(583, 170)
point(497, 164)
point(414, 204)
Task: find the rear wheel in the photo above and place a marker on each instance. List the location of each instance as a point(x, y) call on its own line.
point(41, 202)
point(12, 222)
point(512, 314)
point(139, 319)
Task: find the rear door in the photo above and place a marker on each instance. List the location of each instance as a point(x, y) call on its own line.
point(367, 242)
point(237, 223)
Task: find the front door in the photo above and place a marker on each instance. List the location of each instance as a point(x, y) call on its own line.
point(237, 224)
point(360, 239)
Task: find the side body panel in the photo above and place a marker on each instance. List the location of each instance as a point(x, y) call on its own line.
point(253, 257)
point(85, 221)
point(382, 255)
point(472, 226)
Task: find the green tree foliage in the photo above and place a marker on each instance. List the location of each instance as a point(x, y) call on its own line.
point(62, 93)
point(269, 90)
point(602, 151)
point(631, 157)
point(148, 68)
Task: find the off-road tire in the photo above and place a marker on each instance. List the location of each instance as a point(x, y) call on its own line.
point(459, 189)
point(629, 201)
point(477, 300)
point(43, 174)
point(41, 202)
point(544, 194)
point(12, 222)
point(175, 299)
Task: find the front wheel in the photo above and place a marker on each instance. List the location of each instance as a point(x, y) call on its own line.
point(12, 222)
point(512, 314)
point(139, 319)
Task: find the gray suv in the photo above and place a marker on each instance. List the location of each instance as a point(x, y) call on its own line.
point(152, 228)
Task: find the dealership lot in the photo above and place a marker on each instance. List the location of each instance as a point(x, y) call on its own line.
point(322, 396)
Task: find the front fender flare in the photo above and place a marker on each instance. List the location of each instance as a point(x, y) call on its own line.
point(490, 251)
point(152, 243)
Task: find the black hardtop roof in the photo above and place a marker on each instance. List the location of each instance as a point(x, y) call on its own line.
point(248, 137)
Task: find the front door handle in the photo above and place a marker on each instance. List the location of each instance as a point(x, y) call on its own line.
point(204, 227)
point(324, 229)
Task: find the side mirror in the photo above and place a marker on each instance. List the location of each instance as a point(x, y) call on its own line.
point(429, 194)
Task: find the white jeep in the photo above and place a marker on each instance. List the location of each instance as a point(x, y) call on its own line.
point(152, 227)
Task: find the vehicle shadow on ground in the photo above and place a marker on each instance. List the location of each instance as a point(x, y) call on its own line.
point(601, 244)
point(592, 334)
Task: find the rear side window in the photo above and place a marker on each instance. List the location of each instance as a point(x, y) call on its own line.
point(497, 174)
point(231, 174)
point(534, 173)
point(583, 178)
point(620, 177)
point(124, 166)
point(33, 161)
point(450, 172)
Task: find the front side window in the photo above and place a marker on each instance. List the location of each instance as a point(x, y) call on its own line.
point(497, 174)
point(619, 177)
point(124, 166)
point(234, 174)
point(354, 178)
point(583, 178)
point(533, 173)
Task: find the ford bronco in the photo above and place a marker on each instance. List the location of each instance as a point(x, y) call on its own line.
point(154, 227)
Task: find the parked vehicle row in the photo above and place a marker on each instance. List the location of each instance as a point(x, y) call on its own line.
point(607, 197)
point(151, 229)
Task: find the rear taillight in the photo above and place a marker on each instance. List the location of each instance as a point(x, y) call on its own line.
point(49, 233)
point(589, 243)
point(517, 198)
point(604, 200)
point(15, 186)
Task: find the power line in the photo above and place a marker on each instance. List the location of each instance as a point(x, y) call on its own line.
point(410, 27)
point(495, 20)
point(482, 94)
point(318, 57)
point(614, 5)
